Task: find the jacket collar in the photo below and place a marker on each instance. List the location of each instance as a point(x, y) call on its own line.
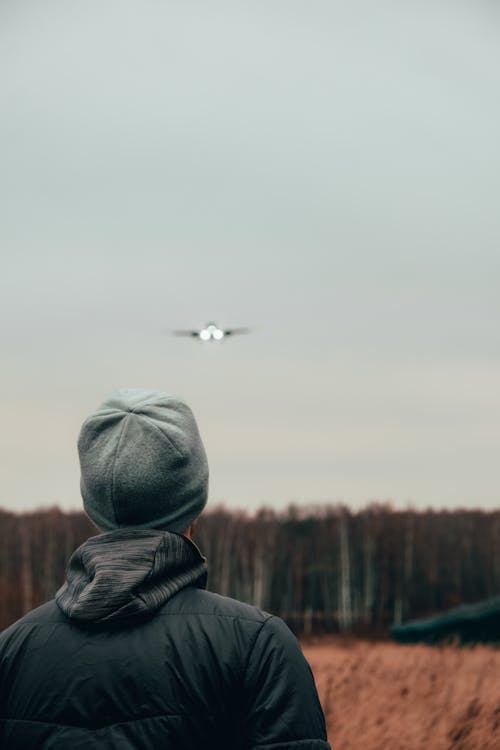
point(128, 574)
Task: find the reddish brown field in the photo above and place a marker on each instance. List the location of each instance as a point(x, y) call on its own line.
point(381, 696)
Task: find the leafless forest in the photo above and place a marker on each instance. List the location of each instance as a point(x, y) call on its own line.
point(324, 570)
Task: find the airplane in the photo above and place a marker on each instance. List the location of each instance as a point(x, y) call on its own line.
point(211, 332)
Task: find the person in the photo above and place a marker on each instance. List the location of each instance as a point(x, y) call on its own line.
point(133, 652)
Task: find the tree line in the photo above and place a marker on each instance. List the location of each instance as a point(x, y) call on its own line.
point(325, 569)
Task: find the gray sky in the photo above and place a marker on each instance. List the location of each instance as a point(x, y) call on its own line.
point(326, 173)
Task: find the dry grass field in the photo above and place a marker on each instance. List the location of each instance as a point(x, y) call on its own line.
point(383, 696)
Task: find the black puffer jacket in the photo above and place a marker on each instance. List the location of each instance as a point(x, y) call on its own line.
point(133, 654)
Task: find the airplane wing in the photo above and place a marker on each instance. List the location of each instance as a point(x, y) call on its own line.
point(234, 331)
point(186, 333)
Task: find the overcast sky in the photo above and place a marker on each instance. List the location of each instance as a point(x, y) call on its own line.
point(327, 173)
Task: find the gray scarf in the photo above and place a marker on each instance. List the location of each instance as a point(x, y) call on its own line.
point(127, 574)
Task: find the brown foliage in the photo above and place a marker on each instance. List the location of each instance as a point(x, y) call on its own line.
point(387, 697)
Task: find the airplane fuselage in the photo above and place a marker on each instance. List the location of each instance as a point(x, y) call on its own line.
point(211, 332)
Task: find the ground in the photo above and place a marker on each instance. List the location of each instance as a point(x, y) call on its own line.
point(383, 696)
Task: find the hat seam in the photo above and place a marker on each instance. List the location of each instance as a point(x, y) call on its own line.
point(152, 400)
point(114, 465)
point(164, 435)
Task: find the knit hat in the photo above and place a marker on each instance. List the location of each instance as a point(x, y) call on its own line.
point(143, 464)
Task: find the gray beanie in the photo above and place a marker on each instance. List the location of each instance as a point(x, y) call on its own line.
point(142, 462)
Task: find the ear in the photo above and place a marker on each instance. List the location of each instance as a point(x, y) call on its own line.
point(190, 529)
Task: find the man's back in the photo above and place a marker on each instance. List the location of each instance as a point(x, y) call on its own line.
point(135, 654)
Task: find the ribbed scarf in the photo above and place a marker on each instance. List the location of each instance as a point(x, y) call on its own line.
point(127, 574)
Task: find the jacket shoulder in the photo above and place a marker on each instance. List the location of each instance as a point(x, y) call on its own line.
point(44, 614)
point(201, 602)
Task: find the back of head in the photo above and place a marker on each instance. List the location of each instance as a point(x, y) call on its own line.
point(143, 464)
